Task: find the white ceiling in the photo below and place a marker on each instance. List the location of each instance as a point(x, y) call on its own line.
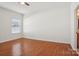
point(15, 6)
point(34, 6)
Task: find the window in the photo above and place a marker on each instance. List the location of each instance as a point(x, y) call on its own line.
point(16, 25)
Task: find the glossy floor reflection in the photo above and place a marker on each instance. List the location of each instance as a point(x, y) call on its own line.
point(30, 47)
point(16, 49)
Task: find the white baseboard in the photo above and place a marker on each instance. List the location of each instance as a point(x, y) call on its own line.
point(9, 39)
point(44, 39)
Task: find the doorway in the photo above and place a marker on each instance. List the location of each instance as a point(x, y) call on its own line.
point(77, 18)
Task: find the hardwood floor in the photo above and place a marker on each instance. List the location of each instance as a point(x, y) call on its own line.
point(30, 47)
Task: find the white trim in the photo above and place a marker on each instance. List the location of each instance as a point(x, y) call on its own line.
point(35, 38)
point(10, 39)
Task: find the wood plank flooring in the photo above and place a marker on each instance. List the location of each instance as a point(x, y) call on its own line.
point(31, 47)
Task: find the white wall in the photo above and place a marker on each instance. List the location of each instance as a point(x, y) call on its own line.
point(51, 24)
point(5, 24)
